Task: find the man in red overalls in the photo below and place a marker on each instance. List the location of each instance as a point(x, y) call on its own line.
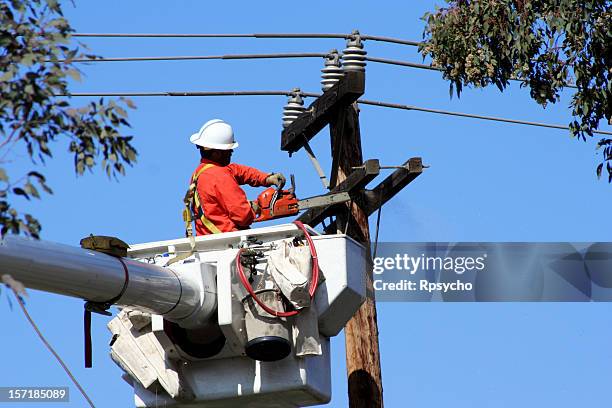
point(220, 205)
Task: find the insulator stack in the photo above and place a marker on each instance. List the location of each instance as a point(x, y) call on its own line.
point(353, 56)
point(293, 108)
point(332, 71)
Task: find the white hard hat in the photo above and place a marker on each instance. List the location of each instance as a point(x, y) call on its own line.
point(215, 134)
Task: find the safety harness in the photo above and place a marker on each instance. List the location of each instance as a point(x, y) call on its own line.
point(193, 210)
point(192, 197)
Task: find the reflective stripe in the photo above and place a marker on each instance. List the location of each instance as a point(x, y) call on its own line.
point(194, 181)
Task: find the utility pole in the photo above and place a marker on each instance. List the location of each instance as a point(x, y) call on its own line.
point(361, 333)
point(349, 173)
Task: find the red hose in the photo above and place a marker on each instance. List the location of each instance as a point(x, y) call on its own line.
point(314, 277)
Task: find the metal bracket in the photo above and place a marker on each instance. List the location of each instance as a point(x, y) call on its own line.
point(353, 184)
point(373, 199)
point(369, 200)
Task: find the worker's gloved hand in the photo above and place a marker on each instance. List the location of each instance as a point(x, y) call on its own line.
point(276, 179)
point(255, 207)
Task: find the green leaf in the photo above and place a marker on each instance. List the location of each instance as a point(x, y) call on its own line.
point(21, 192)
point(31, 190)
point(36, 174)
point(121, 111)
point(28, 59)
point(44, 186)
point(53, 5)
point(129, 103)
point(599, 169)
point(74, 74)
point(7, 76)
point(537, 41)
point(30, 33)
point(80, 167)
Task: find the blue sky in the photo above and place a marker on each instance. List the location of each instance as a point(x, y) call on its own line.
point(487, 182)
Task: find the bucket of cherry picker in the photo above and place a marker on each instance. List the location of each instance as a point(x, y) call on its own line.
point(284, 319)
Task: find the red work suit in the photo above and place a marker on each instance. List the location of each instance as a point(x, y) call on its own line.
point(224, 203)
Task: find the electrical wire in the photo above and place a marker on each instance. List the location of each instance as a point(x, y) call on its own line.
point(431, 68)
point(201, 57)
point(259, 56)
point(473, 116)
point(206, 93)
point(392, 40)
point(316, 95)
point(377, 223)
point(256, 35)
point(186, 35)
point(50, 348)
point(402, 63)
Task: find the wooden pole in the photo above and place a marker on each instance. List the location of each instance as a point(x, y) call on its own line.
point(361, 332)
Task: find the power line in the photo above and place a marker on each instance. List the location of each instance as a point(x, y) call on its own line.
point(316, 95)
point(207, 93)
point(262, 56)
point(431, 68)
point(242, 56)
point(48, 345)
point(202, 57)
point(402, 63)
point(256, 35)
point(473, 116)
point(266, 35)
point(179, 35)
point(391, 40)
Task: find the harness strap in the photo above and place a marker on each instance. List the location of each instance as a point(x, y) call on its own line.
point(196, 197)
point(192, 200)
point(101, 308)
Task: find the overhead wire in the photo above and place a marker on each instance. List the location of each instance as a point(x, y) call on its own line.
point(202, 57)
point(255, 35)
point(472, 116)
point(392, 40)
point(48, 345)
point(316, 95)
point(261, 56)
point(402, 63)
point(208, 35)
point(430, 67)
point(179, 93)
point(288, 55)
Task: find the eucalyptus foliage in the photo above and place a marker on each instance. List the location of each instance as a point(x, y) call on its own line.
point(36, 111)
point(548, 44)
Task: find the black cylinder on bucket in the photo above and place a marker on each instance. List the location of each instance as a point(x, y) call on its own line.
point(267, 335)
